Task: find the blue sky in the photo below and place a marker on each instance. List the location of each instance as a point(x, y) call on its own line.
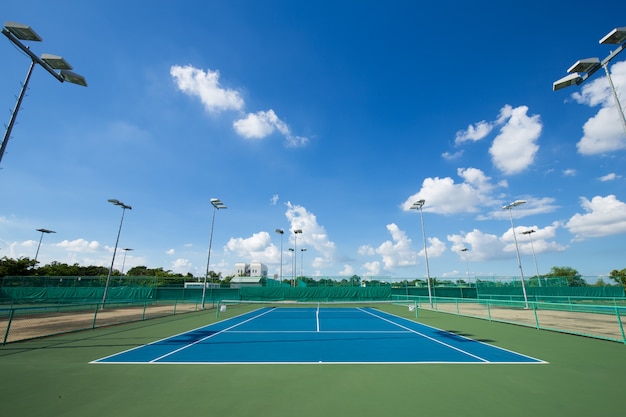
point(332, 117)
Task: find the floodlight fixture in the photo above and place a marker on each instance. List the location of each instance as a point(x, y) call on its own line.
point(584, 65)
point(615, 37)
point(418, 204)
point(217, 203)
point(56, 62)
point(72, 77)
point(119, 203)
point(22, 32)
point(514, 204)
point(568, 80)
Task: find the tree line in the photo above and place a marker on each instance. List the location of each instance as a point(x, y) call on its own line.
point(29, 267)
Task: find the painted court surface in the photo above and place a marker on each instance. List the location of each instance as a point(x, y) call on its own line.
point(317, 335)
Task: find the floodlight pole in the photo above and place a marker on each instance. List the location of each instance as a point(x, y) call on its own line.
point(295, 251)
point(293, 267)
point(119, 231)
point(464, 250)
point(281, 232)
point(418, 206)
point(124, 261)
point(7, 133)
point(302, 261)
point(217, 205)
point(529, 232)
point(620, 111)
point(40, 239)
point(509, 207)
point(16, 32)
point(585, 68)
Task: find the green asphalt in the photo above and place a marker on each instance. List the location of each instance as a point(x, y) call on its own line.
point(53, 377)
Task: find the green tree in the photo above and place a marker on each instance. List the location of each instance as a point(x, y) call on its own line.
point(16, 267)
point(574, 279)
point(619, 276)
point(355, 280)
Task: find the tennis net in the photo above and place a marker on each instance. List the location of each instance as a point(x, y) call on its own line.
point(334, 308)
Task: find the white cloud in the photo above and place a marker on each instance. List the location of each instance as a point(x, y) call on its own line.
point(397, 252)
point(259, 125)
point(609, 177)
point(206, 86)
point(182, 266)
point(295, 141)
point(435, 249)
point(570, 172)
point(373, 268)
point(486, 247)
point(262, 124)
point(347, 271)
point(366, 250)
point(604, 216)
point(603, 132)
point(474, 132)
point(514, 149)
point(256, 248)
point(313, 234)
point(274, 199)
point(452, 156)
point(170, 251)
point(445, 197)
point(79, 245)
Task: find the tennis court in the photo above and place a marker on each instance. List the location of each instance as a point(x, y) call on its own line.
point(305, 335)
point(572, 376)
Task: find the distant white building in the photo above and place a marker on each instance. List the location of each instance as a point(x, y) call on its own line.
point(257, 269)
point(254, 269)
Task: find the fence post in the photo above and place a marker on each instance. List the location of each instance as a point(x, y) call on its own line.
point(95, 315)
point(535, 312)
point(6, 333)
point(619, 320)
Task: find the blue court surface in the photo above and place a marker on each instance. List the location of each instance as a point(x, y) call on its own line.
point(311, 335)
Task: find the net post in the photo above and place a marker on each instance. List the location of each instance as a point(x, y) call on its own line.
point(217, 310)
point(415, 307)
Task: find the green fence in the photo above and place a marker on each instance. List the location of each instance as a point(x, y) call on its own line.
point(34, 306)
point(29, 322)
point(314, 293)
point(602, 318)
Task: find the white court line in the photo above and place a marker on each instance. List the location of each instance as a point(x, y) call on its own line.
point(427, 337)
point(208, 337)
point(322, 331)
point(317, 319)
